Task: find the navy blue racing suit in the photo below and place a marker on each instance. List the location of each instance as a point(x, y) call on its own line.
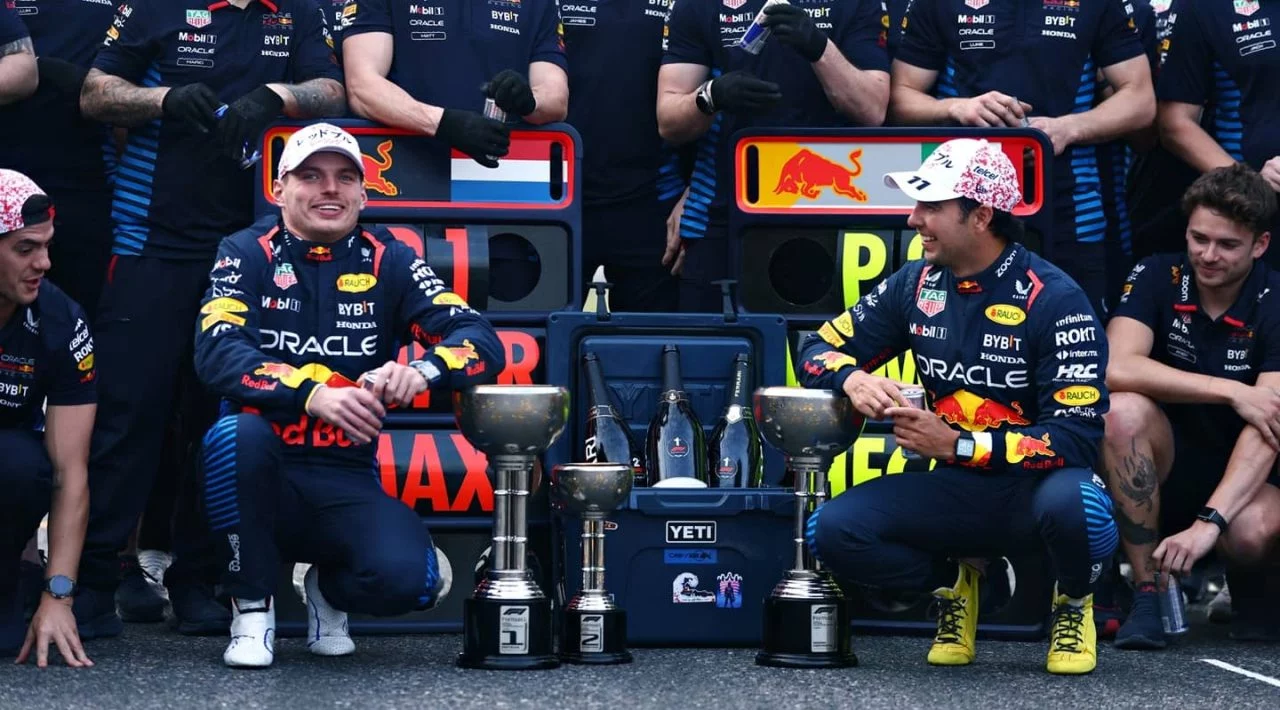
point(1014, 355)
point(281, 317)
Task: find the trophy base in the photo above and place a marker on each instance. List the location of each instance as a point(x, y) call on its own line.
point(507, 635)
point(807, 633)
point(595, 637)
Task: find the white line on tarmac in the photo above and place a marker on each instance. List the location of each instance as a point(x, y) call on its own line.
point(1246, 673)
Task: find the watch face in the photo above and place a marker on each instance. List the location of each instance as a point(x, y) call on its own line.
point(964, 447)
point(61, 586)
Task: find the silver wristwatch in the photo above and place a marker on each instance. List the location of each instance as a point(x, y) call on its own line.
point(428, 370)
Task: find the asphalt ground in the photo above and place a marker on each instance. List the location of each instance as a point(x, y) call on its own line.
point(152, 667)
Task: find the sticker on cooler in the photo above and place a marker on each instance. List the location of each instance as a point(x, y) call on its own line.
point(684, 590)
point(822, 628)
point(513, 628)
point(690, 531)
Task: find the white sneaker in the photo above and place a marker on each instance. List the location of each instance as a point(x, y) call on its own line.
point(1220, 608)
point(154, 563)
point(327, 633)
point(445, 569)
point(253, 634)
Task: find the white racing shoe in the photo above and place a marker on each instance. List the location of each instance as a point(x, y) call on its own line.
point(445, 569)
point(327, 633)
point(253, 634)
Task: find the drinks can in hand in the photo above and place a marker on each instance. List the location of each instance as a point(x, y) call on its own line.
point(914, 395)
point(1173, 608)
point(757, 34)
point(491, 110)
point(248, 155)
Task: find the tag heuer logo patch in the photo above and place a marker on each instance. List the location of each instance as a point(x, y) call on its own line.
point(199, 18)
point(1246, 7)
point(931, 301)
point(976, 4)
point(284, 276)
point(734, 4)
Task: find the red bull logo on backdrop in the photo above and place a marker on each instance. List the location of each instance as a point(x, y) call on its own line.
point(375, 170)
point(806, 174)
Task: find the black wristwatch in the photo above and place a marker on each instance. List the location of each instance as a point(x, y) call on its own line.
point(60, 586)
point(1211, 515)
point(703, 99)
point(965, 447)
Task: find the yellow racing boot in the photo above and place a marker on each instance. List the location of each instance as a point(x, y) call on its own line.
point(957, 634)
point(1073, 640)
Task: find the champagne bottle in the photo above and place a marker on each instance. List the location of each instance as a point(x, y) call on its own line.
point(734, 450)
point(675, 447)
point(608, 440)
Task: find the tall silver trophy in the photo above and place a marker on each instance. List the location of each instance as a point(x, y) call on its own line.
point(507, 622)
point(806, 617)
point(595, 629)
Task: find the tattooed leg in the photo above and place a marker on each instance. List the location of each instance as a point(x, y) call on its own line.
point(1137, 435)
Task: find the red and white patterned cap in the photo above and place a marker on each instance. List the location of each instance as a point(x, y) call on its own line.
point(22, 202)
point(963, 167)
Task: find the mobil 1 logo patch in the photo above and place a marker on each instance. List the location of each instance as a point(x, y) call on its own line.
point(513, 629)
point(690, 531)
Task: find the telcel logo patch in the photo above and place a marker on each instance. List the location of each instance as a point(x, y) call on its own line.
point(690, 531)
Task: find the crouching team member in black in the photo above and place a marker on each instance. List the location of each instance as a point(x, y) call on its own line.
point(1194, 425)
point(1012, 357)
point(46, 358)
point(301, 308)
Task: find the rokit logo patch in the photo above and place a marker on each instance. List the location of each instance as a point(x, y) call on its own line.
point(690, 531)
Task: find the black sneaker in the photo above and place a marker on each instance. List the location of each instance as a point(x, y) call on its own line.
point(1144, 629)
point(96, 615)
point(197, 611)
point(136, 599)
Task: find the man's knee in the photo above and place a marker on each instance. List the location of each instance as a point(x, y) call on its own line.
point(840, 532)
point(1255, 533)
point(1073, 499)
point(1130, 416)
point(397, 581)
point(26, 464)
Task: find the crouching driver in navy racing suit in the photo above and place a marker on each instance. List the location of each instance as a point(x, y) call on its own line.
point(298, 308)
point(1013, 358)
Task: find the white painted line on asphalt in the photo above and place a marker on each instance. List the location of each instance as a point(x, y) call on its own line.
point(1242, 671)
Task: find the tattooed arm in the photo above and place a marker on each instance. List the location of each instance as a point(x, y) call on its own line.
point(316, 98)
point(18, 75)
point(109, 99)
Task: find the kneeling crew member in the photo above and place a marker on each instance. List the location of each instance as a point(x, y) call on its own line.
point(298, 308)
point(1012, 357)
point(1195, 416)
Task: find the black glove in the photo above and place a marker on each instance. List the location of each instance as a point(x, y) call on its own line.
point(245, 120)
point(194, 104)
point(511, 92)
point(740, 92)
point(484, 139)
point(793, 26)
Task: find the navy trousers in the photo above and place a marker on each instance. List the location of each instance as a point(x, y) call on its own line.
point(900, 532)
point(265, 506)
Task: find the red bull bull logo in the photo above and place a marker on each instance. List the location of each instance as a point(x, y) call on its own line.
point(295, 376)
point(456, 358)
point(1018, 447)
point(973, 413)
point(833, 360)
point(806, 174)
point(319, 253)
point(375, 170)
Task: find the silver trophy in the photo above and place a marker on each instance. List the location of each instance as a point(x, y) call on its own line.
point(595, 629)
point(507, 621)
point(806, 617)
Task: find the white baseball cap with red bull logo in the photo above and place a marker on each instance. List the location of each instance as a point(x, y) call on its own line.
point(318, 138)
point(963, 167)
